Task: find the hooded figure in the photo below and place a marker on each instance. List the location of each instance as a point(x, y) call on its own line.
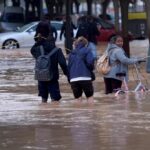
point(80, 66)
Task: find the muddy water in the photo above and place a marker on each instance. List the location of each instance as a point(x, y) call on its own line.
point(108, 123)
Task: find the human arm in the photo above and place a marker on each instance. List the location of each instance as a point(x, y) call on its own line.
point(121, 56)
point(62, 62)
point(90, 60)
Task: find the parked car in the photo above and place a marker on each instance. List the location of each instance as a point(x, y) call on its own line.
point(11, 18)
point(24, 37)
point(106, 30)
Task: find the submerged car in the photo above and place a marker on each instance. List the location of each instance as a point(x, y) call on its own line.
point(24, 36)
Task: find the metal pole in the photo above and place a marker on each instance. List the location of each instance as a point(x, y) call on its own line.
point(68, 42)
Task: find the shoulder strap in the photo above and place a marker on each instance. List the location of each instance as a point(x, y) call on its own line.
point(109, 52)
point(50, 53)
point(41, 50)
point(53, 51)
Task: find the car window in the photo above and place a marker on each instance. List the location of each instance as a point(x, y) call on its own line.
point(28, 26)
point(56, 25)
point(32, 29)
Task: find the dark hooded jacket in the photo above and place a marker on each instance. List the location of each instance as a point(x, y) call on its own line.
point(56, 58)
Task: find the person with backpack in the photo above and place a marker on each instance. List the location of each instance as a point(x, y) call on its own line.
point(80, 67)
point(48, 84)
point(119, 64)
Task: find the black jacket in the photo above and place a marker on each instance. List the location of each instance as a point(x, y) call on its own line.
point(63, 30)
point(56, 58)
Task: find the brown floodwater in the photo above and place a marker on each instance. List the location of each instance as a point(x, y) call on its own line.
point(109, 123)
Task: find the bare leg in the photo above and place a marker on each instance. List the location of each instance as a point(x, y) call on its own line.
point(90, 99)
point(55, 101)
point(78, 99)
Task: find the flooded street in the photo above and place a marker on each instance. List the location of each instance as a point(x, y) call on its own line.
point(108, 123)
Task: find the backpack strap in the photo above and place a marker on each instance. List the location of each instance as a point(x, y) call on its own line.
point(50, 53)
point(53, 51)
point(41, 50)
point(109, 55)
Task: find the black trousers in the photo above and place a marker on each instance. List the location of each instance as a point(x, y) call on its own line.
point(111, 85)
point(78, 87)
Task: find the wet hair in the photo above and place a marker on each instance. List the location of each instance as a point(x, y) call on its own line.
point(114, 38)
point(43, 29)
point(81, 41)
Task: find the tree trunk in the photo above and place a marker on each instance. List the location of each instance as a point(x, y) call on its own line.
point(124, 18)
point(68, 42)
point(60, 6)
point(116, 10)
point(148, 26)
point(27, 3)
point(50, 7)
point(36, 5)
point(89, 6)
point(104, 8)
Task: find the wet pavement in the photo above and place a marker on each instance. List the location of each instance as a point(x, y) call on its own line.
point(108, 123)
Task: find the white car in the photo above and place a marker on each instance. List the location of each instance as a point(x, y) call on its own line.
point(24, 37)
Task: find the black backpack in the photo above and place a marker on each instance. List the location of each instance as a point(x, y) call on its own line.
point(43, 66)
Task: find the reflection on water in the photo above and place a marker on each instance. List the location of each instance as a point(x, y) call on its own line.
point(109, 123)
